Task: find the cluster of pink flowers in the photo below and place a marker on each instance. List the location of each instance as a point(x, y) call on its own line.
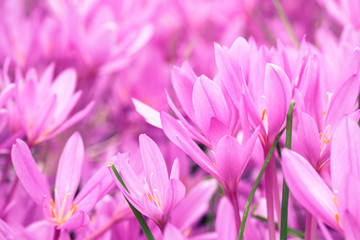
point(169, 119)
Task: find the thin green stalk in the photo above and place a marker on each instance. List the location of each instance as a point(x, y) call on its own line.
point(256, 184)
point(285, 192)
point(286, 23)
point(138, 215)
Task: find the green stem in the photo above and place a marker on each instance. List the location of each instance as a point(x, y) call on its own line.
point(256, 184)
point(138, 215)
point(285, 193)
point(286, 23)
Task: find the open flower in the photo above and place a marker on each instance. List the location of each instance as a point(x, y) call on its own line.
point(65, 211)
point(154, 194)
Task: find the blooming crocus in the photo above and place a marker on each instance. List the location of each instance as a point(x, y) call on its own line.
point(64, 211)
point(43, 106)
point(335, 205)
point(154, 194)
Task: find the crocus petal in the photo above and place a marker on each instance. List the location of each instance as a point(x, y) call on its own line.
point(232, 158)
point(345, 152)
point(151, 115)
point(177, 134)
point(6, 93)
point(277, 98)
point(175, 170)
point(154, 164)
point(69, 169)
point(308, 188)
point(183, 80)
point(79, 219)
point(174, 193)
point(194, 205)
point(29, 174)
point(71, 121)
point(344, 100)
point(309, 140)
point(209, 102)
point(172, 233)
point(41, 230)
point(225, 220)
point(95, 189)
point(348, 200)
point(217, 130)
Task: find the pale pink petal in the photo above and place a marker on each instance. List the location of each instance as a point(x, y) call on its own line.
point(183, 80)
point(345, 152)
point(309, 139)
point(154, 164)
point(225, 221)
point(194, 205)
point(69, 169)
point(172, 233)
point(277, 98)
point(209, 102)
point(29, 174)
point(175, 170)
point(174, 193)
point(79, 219)
point(151, 115)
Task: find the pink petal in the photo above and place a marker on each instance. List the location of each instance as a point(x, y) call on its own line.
point(177, 134)
point(95, 189)
point(308, 188)
point(154, 164)
point(309, 140)
point(225, 220)
point(277, 97)
point(194, 205)
point(209, 102)
point(344, 100)
point(69, 169)
point(79, 219)
point(183, 80)
point(29, 174)
point(174, 193)
point(172, 233)
point(151, 115)
point(175, 170)
point(345, 152)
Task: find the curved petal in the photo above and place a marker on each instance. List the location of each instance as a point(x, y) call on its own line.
point(151, 115)
point(309, 139)
point(172, 233)
point(277, 98)
point(69, 169)
point(225, 220)
point(209, 102)
point(29, 174)
point(308, 188)
point(345, 152)
point(174, 193)
point(194, 205)
point(183, 80)
point(154, 164)
point(79, 219)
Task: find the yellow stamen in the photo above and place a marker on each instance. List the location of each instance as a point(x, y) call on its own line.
point(215, 165)
point(148, 197)
point(263, 114)
point(337, 219)
point(336, 202)
point(53, 208)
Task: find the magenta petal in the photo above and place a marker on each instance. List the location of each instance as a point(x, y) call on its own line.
point(175, 170)
point(29, 174)
point(277, 97)
point(308, 188)
point(309, 140)
point(194, 205)
point(79, 219)
point(154, 164)
point(209, 102)
point(345, 152)
point(69, 169)
point(183, 80)
point(217, 130)
point(174, 193)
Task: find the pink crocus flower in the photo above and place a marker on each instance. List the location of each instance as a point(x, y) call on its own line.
point(154, 194)
point(43, 106)
point(64, 210)
point(336, 205)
